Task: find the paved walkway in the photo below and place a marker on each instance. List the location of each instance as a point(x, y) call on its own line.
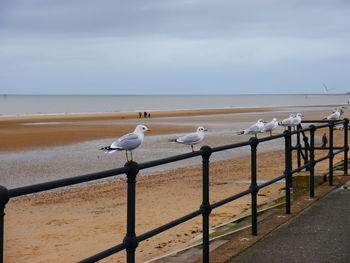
point(319, 234)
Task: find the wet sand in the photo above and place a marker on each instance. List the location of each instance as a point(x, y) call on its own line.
point(70, 224)
point(28, 132)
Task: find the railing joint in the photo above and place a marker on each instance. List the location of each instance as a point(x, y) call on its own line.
point(206, 151)
point(253, 142)
point(133, 168)
point(312, 128)
point(206, 209)
point(4, 196)
point(254, 189)
point(330, 155)
point(130, 242)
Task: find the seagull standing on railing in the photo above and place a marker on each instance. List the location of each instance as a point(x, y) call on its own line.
point(297, 120)
point(191, 138)
point(270, 126)
point(254, 129)
point(127, 142)
point(288, 122)
point(334, 116)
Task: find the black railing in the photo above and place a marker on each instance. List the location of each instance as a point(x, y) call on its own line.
point(131, 169)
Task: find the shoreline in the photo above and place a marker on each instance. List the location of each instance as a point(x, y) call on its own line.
point(71, 117)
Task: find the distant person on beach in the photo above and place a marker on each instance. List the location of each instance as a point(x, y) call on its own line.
point(140, 115)
point(324, 140)
point(149, 115)
point(145, 114)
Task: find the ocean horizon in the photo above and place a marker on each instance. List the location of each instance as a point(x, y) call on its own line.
point(11, 105)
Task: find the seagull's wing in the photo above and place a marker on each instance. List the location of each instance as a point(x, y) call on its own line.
point(252, 129)
point(287, 121)
point(334, 115)
point(191, 138)
point(129, 141)
point(268, 126)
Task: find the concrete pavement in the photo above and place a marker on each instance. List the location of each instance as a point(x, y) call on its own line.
point(319, 234)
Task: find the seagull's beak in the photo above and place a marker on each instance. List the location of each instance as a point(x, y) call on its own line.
point(205, 130)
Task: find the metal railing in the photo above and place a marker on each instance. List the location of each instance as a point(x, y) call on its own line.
point(131, 169)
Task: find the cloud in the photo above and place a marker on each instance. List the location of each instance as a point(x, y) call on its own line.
point(185, 39)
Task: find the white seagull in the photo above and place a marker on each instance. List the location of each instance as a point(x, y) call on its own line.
point(254, 129)
point(128, 142)
point(334, 116)
point(191, 138)
point(270, 126)
point(288, 121)
point(297, 120)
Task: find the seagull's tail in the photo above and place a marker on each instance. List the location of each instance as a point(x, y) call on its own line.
point(324, 119)
point(108, 149)
point(172, 140)
point(240, 132)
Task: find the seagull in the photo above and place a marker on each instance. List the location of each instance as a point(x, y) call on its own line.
point(297, 120)
point(191, 138)
point(341, 109)
point(270, 126)
point(334, 116)
point(288, 121)
point(254, 129)
point(127, 142)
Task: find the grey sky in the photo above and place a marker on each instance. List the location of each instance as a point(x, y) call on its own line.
point(174, 47)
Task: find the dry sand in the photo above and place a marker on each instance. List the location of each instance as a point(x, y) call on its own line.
point(71, 224)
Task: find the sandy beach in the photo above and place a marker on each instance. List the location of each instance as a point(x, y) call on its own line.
point(67, 225)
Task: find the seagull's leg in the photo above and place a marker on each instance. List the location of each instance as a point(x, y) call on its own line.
point(270, 133)
point(126, 154)
point(192, 148)
point(131, 155)
point(256, 136)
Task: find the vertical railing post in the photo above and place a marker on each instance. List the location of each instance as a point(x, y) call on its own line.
point(306, 145)
point(312, 161)
point(205, 206)
point(4, 198)
point(288, 167)
point(130, 237)
point(253, 185)
point(346, 146)
point(330, 153)
point(298, 150)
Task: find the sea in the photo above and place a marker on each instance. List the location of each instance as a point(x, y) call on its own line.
point(66, 104)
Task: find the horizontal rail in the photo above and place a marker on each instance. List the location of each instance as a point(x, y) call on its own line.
point(323, 121)
point(65, 182)
point(297, 170)
point(270, 138)
point(104, 254)
point(230, 199)
point(340, 151)
point(171, 159)
point(274, 180)
point(316, 148)
point(168, 225)
point(322, 159)
point(230, 146)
